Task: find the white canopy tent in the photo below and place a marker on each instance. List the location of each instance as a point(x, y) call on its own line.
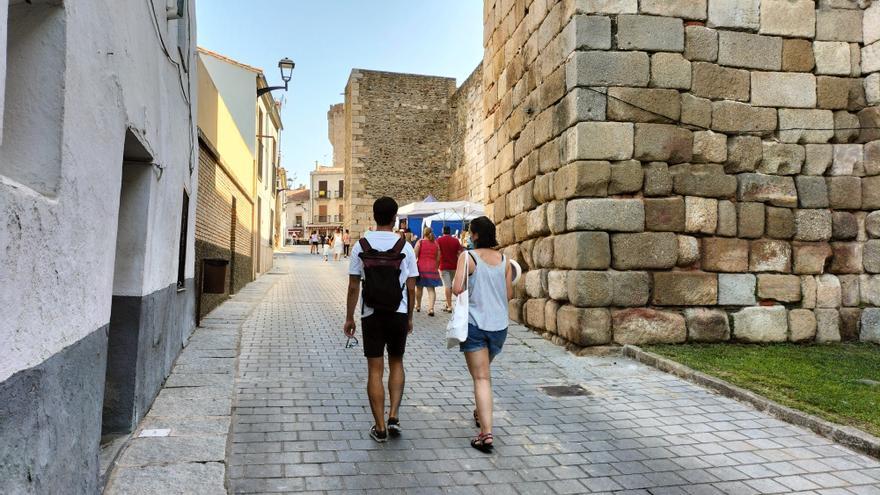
point(451, 216)
point(452, 210)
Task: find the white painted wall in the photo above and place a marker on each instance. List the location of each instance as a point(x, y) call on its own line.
point(239, 89)
point(58, 253)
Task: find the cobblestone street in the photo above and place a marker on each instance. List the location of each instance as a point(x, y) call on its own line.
point(301, 417)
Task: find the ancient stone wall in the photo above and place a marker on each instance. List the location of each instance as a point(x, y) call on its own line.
point(466, 141)
point(397, 132)
point(336, 132)
point(687, 170)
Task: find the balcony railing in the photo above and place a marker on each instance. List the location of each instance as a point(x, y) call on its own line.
point(328, 194)
point(328, 218)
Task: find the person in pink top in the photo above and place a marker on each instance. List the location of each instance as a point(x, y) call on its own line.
point(428, 256)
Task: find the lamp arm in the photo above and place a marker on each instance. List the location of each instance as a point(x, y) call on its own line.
point(262, 91)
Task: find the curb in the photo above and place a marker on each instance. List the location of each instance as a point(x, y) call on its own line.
point(845, 435)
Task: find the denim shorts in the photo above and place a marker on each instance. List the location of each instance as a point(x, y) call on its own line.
point(481, 339)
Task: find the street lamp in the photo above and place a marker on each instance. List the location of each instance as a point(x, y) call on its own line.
point(285, 65)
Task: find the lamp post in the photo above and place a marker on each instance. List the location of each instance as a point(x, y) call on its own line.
point(285, 65)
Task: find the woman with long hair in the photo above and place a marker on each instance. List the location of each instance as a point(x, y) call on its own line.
point(490, 282)
point(428, 258)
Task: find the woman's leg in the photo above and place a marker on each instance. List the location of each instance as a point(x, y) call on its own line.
point(432, 298)
point(418, 303)
point(478, 365)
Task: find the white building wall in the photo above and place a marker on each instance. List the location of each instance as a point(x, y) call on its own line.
point(56, 275)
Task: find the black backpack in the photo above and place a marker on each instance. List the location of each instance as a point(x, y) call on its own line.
point(381, 285)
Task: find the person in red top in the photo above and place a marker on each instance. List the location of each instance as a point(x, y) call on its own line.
point(450, 248)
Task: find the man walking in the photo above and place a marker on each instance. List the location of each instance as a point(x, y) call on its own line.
point(450, 248)
point(387, 266)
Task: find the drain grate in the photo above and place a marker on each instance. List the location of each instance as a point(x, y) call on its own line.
point(565, 391)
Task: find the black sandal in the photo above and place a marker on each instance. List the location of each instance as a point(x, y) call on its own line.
point(483, 442)
point(393, 426)
point(431, 313)
point(379, 436)
point(476, 418)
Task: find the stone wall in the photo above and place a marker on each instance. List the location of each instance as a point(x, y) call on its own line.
point(466, 141)
point(336, 132)
point(397, 133)
point(687, 170)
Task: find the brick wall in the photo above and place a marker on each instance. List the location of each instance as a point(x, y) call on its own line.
point(687, 170)
point(397, 132)
point(217, 236)
point(466, 140)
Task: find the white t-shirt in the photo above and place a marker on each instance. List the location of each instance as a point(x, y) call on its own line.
point(383, 241)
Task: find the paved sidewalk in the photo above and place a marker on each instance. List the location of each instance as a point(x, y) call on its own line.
point(301, 417)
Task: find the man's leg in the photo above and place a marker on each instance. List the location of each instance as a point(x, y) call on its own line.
point(376, 390)
point(396, 381)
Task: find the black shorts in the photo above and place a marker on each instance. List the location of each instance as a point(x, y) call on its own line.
point(384, 328)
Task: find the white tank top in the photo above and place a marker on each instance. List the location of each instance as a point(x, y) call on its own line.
point(487, 295)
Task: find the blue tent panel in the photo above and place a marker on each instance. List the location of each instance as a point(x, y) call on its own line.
point(437, 226)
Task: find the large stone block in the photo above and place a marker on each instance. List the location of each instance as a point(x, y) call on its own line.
point(608, 6)
point(751, 51)
point(871, 256)
point(827, 326)
point(840, 93)
point(727, 221)
point(839, 25)
point(871, 193)
point(870, 331)
point(846, 257)
point(664, 214)
point(736, 117)
point(557, 284)
point(648, 326)
point(845, 193)
point(588, 289)
point(783, 89)
point(849, 290)
point(658, 180)
point(536, 283)
point(664, 143)
point(685, 289)
point(812, 225)
point(599, 141)
point(808, 289)
point(648, 250)
point(630, 288)
point(713, 81)
point(584, 326)
point(750, 220)
point(801, 325)
point(712, 185)
point(872, 224)
point(670, 70)
point(619, 215)
point(701, 43)
point(810, 257)
point(710, 147)
point(872, 88)
point(582, 178)
point(736, 289)
point(651, 33)
point(579, 105)
point(797, 55)
point(551, 307)
point(782, 288)
point(582, 251)
point(626, 177)
point(644, 105)
point(869, 118)
point(780, 223)
point(701, 215)
point(556, 216)
point(604, 68)
point(869, 289)
point(741, 14)
point(772, 189)
point(818, 159)
point(761, 324)
point(801, 126)
point(533, 311)
point(871, 58)
point(812, 191)
point(832, 58)
point(722, 254)
point(537, 221)
point(688, 251)
point(707, 325)
point(782, 159)
point(687, 9)
point(844, 226)
point(846, 159)
point(770, 256)
point(846, 127)
point(871, 24)
point(744, 153)
point(871, 158)
point(588, 32)
point(792, 18)
point(828, 291)
point(850, 324)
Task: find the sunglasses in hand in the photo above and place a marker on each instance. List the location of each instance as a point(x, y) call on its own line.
point(351, 342)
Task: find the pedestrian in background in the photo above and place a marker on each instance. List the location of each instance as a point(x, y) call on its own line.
point(337, 244)
point(428, 256)
point(346, 243)
point(325, 245)
point(490, 285)
point(313, 243)
point(450, 248)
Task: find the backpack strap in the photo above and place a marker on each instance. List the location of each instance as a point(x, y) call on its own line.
point(365, 245)
point(398, 246)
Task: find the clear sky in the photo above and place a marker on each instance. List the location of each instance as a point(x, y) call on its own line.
point(326, 39)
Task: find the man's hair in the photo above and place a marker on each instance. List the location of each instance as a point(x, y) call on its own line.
point(447, 230)
point(485, 230)
point(384, 211)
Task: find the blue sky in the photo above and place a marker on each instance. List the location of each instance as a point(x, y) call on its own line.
point(326, 39)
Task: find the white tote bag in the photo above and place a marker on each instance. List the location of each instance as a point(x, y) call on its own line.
point(457, 328)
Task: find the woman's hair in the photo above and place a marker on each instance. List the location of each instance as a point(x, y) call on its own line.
point(485, 230)
point(428, 233)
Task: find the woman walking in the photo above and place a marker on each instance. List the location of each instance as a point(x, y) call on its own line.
point(490, 282)
point(428, 258)
point(337, 245)
point(346, 243)
point(326, 244)
point(313, 243)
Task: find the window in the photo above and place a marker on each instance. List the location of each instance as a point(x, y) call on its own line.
point(322, 189)
point(260, 145)
point(299, 220)
point(341, 188)
point(181, 253)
